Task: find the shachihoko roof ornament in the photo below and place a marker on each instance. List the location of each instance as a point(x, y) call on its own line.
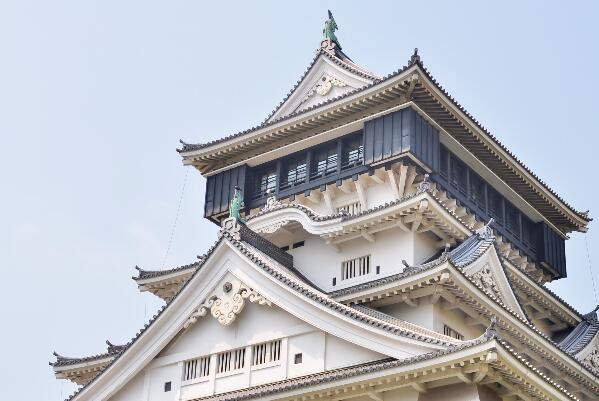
point(330, 26)
point(236, 205)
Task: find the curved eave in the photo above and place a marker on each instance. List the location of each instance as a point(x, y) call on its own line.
point(377, 97)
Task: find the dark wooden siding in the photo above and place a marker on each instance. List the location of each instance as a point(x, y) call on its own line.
point(400, 132)
point(220, 189)
point(552, 249)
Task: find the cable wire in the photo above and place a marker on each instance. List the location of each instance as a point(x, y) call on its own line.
point(170, 241)
point(586, 242)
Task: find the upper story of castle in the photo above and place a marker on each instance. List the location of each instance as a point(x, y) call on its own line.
point(346, 142)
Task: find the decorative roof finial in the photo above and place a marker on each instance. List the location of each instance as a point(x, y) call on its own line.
point(330, 26)
point(491, 331)
point(236, 205)
point(415, 57)
point(592, 316)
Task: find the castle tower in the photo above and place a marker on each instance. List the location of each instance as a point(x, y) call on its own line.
point(376, 244)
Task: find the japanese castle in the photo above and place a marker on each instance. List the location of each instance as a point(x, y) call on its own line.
point(377, 243)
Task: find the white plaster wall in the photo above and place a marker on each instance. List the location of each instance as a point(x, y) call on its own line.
point(339, 353)
point(455, 319)
point(321, 262)
point(455, 392)
point(132, 391)
point(311, 346)
point(401, 394)
point(421, 315)
point(157, 377)
point(256, 324)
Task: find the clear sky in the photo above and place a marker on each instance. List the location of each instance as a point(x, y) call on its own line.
point(94, 96)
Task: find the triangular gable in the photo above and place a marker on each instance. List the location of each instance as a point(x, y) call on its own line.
point(330, 75)
point(487, 272)
point(267, 283)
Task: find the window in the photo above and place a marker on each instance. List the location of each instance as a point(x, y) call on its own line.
point(444, 162)
point(459, 175)
point(294, 172)
point(266, 352)
point(324, 161)
point(477, 191)
point(448, 331)
point(285, 248)
point(298, 358)
point(298, 244)
point(353, 152)
point(528, 229)
point(265, 182)
point(352, 208)
point(196, 368)
point(512, 219)
point(495, 205)
point(230, 360)
point(167, 387)
point(355, 267)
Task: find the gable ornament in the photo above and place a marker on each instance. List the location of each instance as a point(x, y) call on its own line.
point(324, 86)
point(593, 359)
point(226, 303)
point(484, 278)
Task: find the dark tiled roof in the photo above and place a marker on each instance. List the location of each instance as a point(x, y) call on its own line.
point(146, 274)
point(462, 255)
point(293, 284)
point(355, 371)
point(582, 334)
point(336, 374)
point(340, 59)
point(112, 351)
point(415, 60)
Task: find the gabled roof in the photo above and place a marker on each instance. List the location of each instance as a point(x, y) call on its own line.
point(260, 255)
point(490, 341)
point(582, 334)
point(331, 51)
point(411, 83)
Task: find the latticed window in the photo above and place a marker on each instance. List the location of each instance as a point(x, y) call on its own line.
point(294, 172)
point(495, 205)
point(353, 152)
point(195, 368)
point(478, 191)
point(448, 331)
point(355, 267)
point(512, 219)
point(230, 360)
point(459, 175)
point(351, 208)
point(266, 352)
point(265, 182)
point(324, 161)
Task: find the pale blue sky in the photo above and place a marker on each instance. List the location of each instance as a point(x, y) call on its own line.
point(94, 96)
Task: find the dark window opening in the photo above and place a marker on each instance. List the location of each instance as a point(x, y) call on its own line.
point(324, 161)
point(265, 182)
point(294, 172)
point(527, 232)
point(334, 281)
point(167, 387)
point(353, 152)
point(478, 191)
point(512, 219)
point(459, 175)
point(378, 270)
point(444, 162)
point(285, 248)
point(298, 244)
point(495, 205)
point(298, 358)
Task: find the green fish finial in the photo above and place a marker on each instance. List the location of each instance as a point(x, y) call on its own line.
point(236, 205)
point(330, 26)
